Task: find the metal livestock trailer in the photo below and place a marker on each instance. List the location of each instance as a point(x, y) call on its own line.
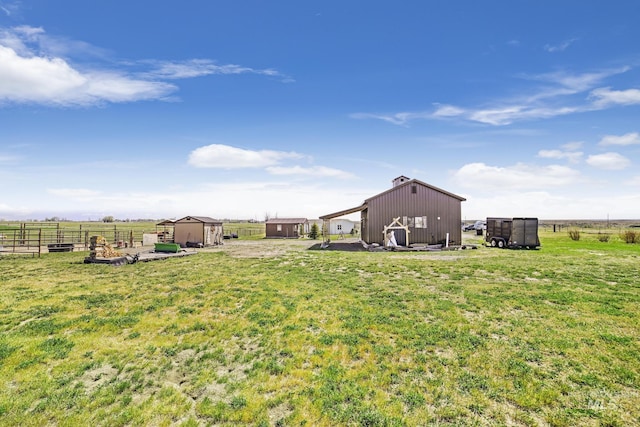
point(512, 232)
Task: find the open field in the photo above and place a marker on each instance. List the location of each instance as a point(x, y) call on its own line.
point(270, 333)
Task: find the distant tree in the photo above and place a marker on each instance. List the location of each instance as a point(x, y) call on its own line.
point(313, 233)
point(108, 218)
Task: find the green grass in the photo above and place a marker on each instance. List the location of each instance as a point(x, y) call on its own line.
point(475, 337)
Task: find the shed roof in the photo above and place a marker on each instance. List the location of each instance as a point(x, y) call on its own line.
point(286, 220)
point(203, 219)
point(167, 222)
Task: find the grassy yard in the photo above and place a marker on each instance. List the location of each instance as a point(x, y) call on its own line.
point(290, 336)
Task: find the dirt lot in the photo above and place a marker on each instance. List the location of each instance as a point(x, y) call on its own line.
point(267, 248)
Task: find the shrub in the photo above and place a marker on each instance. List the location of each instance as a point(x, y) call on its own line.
point(313, 233)
point(574, 234)
point(630, 236)
point(603, 237)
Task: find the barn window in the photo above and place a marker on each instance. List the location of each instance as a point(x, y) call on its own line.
point(421, 222)
point(414, 189)
point(279, 227)
point(340, 227)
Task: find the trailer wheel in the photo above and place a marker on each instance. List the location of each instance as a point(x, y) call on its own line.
point(493, 243)
point(501, 244)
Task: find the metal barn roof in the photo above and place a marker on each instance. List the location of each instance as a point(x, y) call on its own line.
point(365, 204)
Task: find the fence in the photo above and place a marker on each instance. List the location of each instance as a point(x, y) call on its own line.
point(29, 237)
point(83, 237)
point(244, 232)
point(21, 241)
point(589, 226)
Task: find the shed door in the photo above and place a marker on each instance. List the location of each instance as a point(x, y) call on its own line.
point(207, 235)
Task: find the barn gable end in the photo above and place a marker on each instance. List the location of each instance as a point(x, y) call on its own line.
point(430, 213)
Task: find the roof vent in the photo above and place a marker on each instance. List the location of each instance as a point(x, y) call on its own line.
point(400, 180)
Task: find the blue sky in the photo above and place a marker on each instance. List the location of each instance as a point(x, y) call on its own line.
point(242, 109)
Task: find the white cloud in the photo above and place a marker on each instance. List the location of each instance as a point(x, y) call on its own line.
point(53, 81)
point(12, 211)
point(441, 111)
point(553, 98)
point(572, 146)
point(397, 119)
point(572, 156)
point(30, 41)
point(19, 36)
point(251, 199)
point(559, 47)
point(626, 139)
point(605, 97)
point(7, 158)
point(447, 111)
point(228, 157)
point(35, 69)
point(551, 205)
point(566, 83)
point(634, 182)
point(508, 115)
point(73, 193)
point(608, 161)
point(317, 171)
point(10, 8)
point(530, 107)
point(482, 177)
point(204, 67)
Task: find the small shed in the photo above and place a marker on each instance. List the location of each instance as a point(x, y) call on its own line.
point(287, 228)
point(192, 231)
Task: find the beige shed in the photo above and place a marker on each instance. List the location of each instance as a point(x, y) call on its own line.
point(193, 231)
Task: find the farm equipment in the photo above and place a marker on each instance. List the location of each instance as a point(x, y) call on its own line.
point(512, 233)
